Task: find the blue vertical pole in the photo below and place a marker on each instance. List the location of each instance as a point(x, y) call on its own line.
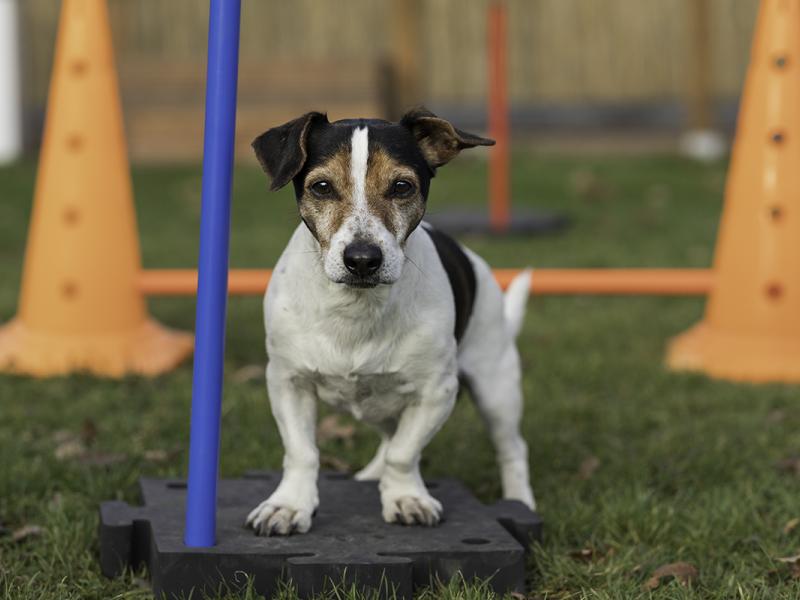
point(212, 287)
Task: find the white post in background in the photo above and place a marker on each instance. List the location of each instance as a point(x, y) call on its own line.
point(701, 140)
point(10, 84)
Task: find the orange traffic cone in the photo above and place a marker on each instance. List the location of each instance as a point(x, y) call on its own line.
point(79, 308)
point(751, 330)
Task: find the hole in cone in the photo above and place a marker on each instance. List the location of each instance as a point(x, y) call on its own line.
point(69, 289)
point(74, 142)
point(71, 215)
point(778, 137)
point(781, 61)
point(776, 213)
point(79, 67)
point(774, 290)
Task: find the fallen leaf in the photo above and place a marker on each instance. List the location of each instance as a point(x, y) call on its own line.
point(248, 373)
point(790, 465)
point(159, 455)
point(62, 435)
point(591, 553)
point(793, 564)
point(56, 502)
point(88, 432)
point(335, 463)
point(155, 455)
point(69, 449)
point(72, 447)
point(588, 467)
point(685, 573)
point(332, 429)
point(584, 554)
point(790, 559)
point(790, 526)
point(776, 416)
point(25, 532)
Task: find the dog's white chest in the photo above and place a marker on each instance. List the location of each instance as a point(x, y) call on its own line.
point(374, 397)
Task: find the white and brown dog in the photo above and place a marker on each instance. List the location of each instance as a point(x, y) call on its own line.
point(375, 313)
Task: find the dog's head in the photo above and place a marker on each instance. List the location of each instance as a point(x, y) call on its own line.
point(361, 184)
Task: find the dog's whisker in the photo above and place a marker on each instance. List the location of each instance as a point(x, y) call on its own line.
point(417, 266)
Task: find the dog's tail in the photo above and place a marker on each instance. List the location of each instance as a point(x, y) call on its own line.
point(516, 298)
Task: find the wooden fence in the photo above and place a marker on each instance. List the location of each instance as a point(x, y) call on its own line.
point(560, 51)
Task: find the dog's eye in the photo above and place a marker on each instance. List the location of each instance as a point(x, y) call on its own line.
point(402, 188)
point(322, 189)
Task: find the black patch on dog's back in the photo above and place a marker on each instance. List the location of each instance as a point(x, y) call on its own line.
point(461, 275)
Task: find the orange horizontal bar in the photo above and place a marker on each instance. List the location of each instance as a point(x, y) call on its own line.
point(553, 282)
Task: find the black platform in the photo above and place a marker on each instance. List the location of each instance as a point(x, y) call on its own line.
point(522, 222)
point(348, 543)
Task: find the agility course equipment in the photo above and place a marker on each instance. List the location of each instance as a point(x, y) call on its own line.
point(753, 309)
point(545, 282)
point(501, 218)
point(82, 301)
point(58, 330)
point(212, 296)
point(79, 307)
point(350, 542)
point(751, 329)
point(10, 83)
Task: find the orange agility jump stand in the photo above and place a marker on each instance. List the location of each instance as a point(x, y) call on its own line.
point(501, 219)
point(80, 308)
point(751, 329)
point(499, 168)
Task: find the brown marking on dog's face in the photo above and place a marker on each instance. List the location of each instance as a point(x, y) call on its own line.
point(324, 215)
point(400, 213)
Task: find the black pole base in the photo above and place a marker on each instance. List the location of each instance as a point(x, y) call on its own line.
point(348, 543)
point(522, 222)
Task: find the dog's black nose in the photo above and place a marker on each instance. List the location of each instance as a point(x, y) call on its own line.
point(362, 259)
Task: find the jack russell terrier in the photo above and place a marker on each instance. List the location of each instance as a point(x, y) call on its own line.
point(373, 312)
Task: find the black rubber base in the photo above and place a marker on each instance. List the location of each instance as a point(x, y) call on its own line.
point(523, 222)
point(348, 543)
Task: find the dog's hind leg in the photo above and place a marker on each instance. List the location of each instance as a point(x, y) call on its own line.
point(374, 469)
point(494, 384)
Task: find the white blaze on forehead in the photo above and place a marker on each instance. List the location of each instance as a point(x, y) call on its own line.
point(359, 152)
point(360, 223)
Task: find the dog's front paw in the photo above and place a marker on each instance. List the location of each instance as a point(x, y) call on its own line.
point(413, 509)
point(274, 517)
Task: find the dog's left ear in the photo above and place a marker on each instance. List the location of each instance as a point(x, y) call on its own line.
point(282, 150)
point(439, 141)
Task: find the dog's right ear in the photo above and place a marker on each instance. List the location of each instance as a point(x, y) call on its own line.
point(282, 150)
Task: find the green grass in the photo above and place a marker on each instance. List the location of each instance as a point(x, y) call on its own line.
point(686, 465)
